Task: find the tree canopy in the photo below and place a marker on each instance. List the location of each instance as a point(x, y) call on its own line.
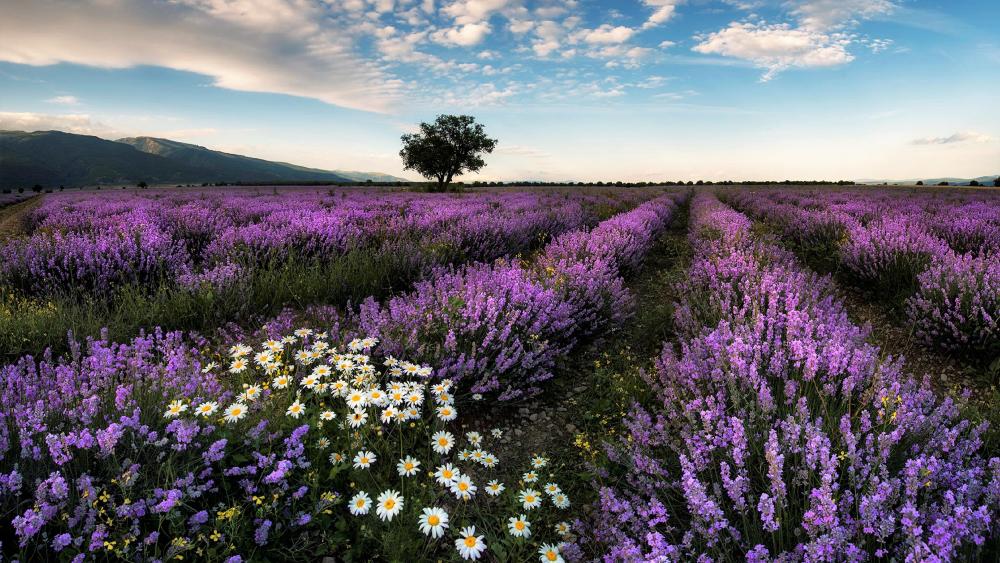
point(450, 146)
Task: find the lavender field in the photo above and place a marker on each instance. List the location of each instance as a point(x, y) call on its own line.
point(554, 374)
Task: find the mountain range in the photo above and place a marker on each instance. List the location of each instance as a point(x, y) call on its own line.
point(56, 158)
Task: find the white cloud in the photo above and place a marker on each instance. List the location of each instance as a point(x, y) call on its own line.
point(279, 46)
point(64, 100)
point(960, 137)
point(522, 151)
point(776, 47)
point(548, 37)
point(606, 34)
point(520, 26)
point(823, 15)
point(663, 10)
point(81, 124)
point(464, 35)
point(473, 11)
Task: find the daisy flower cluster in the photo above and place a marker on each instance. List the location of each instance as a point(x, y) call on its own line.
point(386, 431)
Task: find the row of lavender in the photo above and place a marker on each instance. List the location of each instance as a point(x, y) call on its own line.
point(939, 252)
point(91, 465)
point(779, 432)
point(95, 244)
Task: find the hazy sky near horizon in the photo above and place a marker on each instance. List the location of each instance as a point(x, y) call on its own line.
point(573, 89)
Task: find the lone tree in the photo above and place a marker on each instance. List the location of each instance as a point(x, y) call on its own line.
point(996, 182)
point(451, 146)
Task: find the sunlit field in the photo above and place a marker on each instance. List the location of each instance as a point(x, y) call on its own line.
point(658, 373)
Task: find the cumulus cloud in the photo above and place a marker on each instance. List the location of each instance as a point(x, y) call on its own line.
point(776, 47)
point(464, 35)
point(279, 46)
point(960, 137)
point(473, 11)
point(607, 33)
point(820, 36)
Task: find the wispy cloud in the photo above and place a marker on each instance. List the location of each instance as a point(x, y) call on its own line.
point(286, 48)
point(64, 100)
point(960, 137)
point(522, 151)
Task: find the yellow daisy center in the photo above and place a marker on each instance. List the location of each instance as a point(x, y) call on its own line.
point(433, 520)
point(470, 541)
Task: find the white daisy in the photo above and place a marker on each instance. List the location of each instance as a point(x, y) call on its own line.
point(494, 488)
point(407, 467)
point(529, 499)
point(474, 438)
point(560, 500)
point(539, 462)
point(207, 409)
point(446, 474)
point(463, 487)
point(361, 503)
point(174, 409)
point(529, 477)
point(519, 526)
point(364, 460)
point(238, 366)
point(562, 528)
point(552, 489)
point(251, 393)
point(357, 419)
point(549, 553)
point(327, 415)
point(433, 522)
point(390, 503)
point(469, 545)
point(235, 412)
point(356, 399)
point(336, 458)
point(442, 441)
point(280, 382)
point(295, 409)
point(389, 414)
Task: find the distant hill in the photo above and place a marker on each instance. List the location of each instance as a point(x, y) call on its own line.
point(54, 158)
point(984, 180)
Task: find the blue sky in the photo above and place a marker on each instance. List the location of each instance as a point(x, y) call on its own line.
point(574, 89)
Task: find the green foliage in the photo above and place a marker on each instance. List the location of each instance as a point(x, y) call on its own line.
point(449, 147)
point(28, 325)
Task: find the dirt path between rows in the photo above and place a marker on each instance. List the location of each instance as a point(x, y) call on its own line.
point(12, 221)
